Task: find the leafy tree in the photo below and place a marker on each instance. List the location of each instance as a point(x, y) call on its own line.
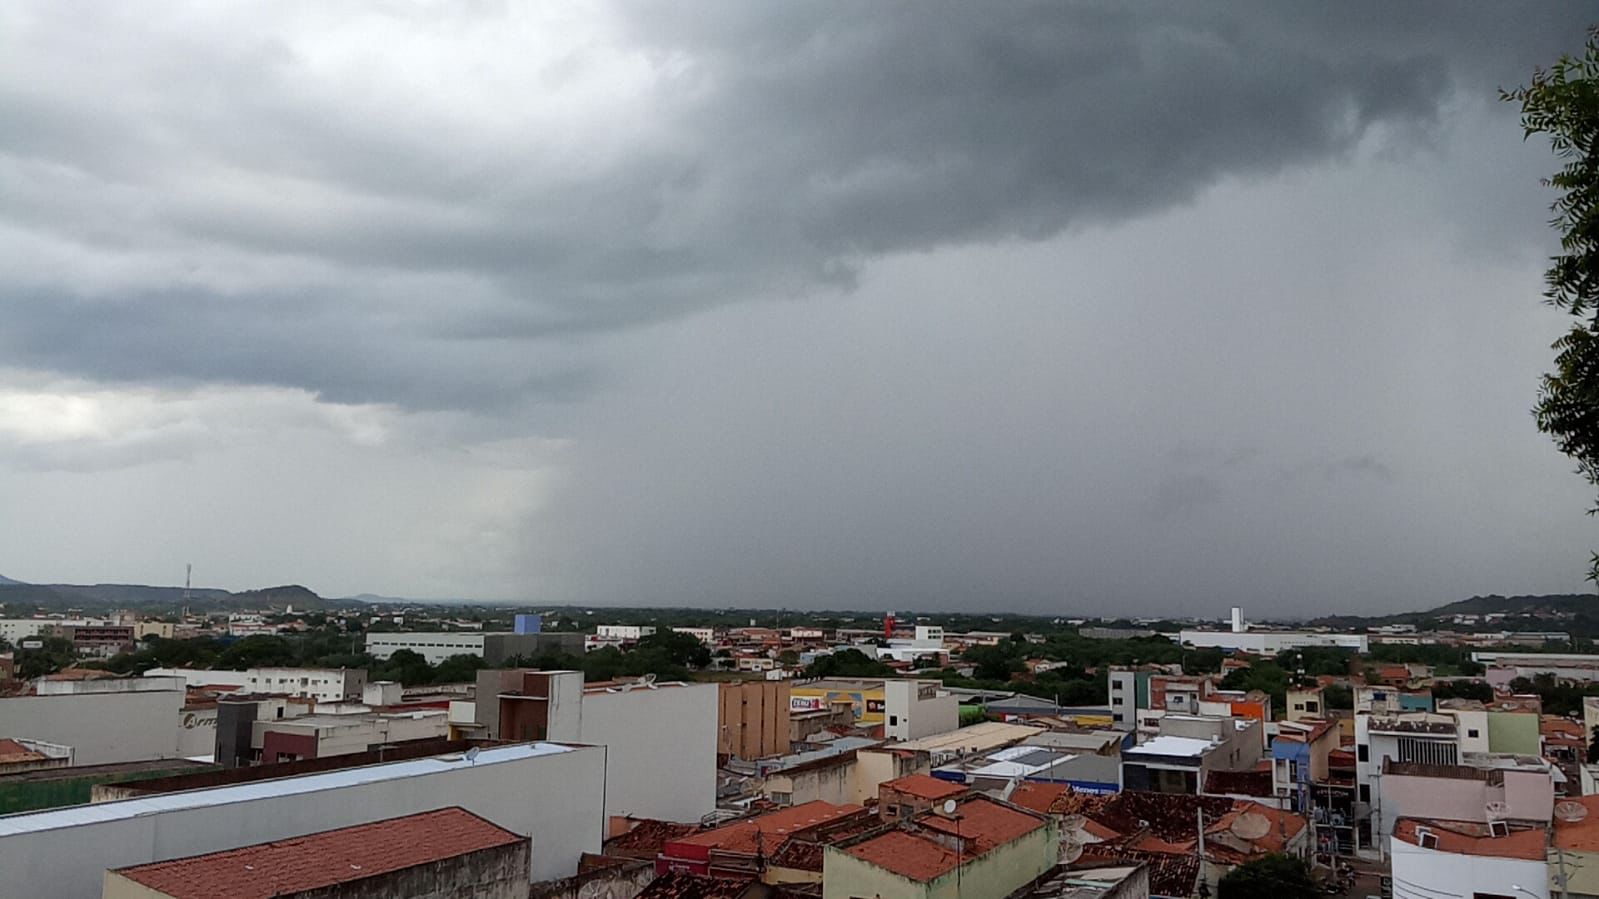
point(1593, 746)
point(54, 655)
point(995, 662)
point(258, 651)
point(1274, 876)
point(1562, 102)
point(684, 650)
point(847, 663)
point(458, 668)
point(1465, 689)
point(1338, 696)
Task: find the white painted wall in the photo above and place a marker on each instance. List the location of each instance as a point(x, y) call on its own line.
point(434, 646)
point(1429, 874)
point(554, 798)
point(662, 749)
point(100, 727)
point(916, 709)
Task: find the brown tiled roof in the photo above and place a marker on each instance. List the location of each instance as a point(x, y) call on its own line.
point(800, 854)
point(323, 859)
point(1169, 875)
point(1040, 797)
point(1583, 835)
point(907, 855)
point(925, 786)
point(684, 885)
point(647, 837)
point(751, 834)
point(12, 752)
point(1470, 838)
point(984, 823)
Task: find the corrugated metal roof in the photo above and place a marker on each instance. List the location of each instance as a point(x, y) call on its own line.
point(74, 816)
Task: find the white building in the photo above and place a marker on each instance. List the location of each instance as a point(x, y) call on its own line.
point(1424, 737)
point(929, 640)
point(1447, 859)
point(321, 684)
point(543, 790)
point(103, 721)
point(13, 630)
point(915, 709)
point(660, 738)
point(705, 635)
point(1269, 643)
point(624, 632)
point(494, 647)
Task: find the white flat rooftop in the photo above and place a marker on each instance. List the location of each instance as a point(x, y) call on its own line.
point(1166, 745)
point(55, 819)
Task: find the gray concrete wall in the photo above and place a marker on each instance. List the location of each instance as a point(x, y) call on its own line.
point(662, 747)
point(555, 799)
point(101, 728)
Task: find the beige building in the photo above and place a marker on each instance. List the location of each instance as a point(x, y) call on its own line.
point(846, 778)
point(753, 719)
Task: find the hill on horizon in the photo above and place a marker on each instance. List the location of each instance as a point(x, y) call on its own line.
point(59, 597)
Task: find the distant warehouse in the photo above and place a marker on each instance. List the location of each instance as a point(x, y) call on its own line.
point(495, 647)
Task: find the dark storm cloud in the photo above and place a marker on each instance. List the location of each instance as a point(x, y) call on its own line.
point(272, 223)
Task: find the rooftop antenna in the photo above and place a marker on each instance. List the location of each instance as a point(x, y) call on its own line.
point(188, 579)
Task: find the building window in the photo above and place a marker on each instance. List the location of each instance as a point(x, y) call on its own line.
point(1116, 700)
point(1363, 753)
point(893, 720)
point(1365, 793)
point(1312, 706)
point(1472, 733)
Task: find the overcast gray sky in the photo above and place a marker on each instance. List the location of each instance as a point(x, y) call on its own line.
point(1103, 308)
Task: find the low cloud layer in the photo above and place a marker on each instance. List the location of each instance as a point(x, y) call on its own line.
point(569, 241)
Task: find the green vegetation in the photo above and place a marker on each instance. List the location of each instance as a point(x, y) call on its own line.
point(847, 663)
point(1275, 876)
point(1562, 102)
point(1558, 698)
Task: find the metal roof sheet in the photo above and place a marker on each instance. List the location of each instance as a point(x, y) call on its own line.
point(73, 816)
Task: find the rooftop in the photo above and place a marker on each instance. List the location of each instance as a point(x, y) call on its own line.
point(684, 885)
point(925, 787)
point(73, 816)
point(976, 738)
point(324, 859)
point(1581, 835)
point(1186, 747)
point(1470, 838)
point(747, 835)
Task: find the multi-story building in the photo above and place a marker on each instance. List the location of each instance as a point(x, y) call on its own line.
point(1433, 858)
point(753, 719)
point(623, 633)
point(321, 684)
point(660, 738)
point(103, 721)
point(15, 630)
point(913, 709)
point(494, 647)
point(1241, 638)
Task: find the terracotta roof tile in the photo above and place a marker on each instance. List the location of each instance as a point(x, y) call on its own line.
point(767, 831)
point(1470, 838)
point(984, 823)
point(685, 885)
point(323, 859)
point(906, 854)
point(1583, 835)
point(925, 786)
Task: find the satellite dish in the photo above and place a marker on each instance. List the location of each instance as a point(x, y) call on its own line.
point(1570, 810)
point(1072, 823)
point(950, 806)
point(648, 680)
point(1496, 809)
point(471, 755)
point(1070, 851)
point(1250, 826)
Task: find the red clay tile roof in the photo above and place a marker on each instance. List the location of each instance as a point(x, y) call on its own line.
point(925, 786)
point(982, 824)
point(1169, 875)
point(799, 854)
point(1579, 836)
point(323, 859)
point(741, 836)
point(1239, 783)
point(12, 752)
point(1040, 797)
point(907, 855)
point(1470, 838)
point(647, 837)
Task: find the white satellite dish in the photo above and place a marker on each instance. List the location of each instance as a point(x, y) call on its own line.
point(1070, 851)
point(648, 680)
point(1250, 826)
point(471, 755)
point(1570, 810)
point(950, 806)
point(1496, 809)
point(1072, 823)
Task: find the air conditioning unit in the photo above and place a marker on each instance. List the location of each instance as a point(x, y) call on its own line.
point(1498, 828)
